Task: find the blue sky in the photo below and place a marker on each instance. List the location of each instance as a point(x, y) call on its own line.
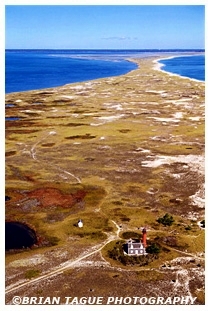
point(104, 26)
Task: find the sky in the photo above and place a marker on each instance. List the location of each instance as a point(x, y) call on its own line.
point(105, 26)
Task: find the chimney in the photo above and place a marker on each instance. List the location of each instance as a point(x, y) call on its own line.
point(144, 237)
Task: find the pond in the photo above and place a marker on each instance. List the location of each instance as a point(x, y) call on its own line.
point(18, 235)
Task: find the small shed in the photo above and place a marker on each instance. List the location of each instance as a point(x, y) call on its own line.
point(80, 223)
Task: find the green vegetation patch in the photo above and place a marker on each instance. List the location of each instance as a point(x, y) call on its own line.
point(29, 274)
point(166, 220)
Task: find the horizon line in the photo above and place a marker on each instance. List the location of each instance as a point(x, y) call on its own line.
point(114, 49)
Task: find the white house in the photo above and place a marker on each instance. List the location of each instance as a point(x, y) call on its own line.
point(137, 247)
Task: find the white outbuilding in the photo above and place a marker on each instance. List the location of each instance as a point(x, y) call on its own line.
point(80, 223)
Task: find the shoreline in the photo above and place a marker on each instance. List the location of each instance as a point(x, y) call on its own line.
point(133, 60)
point(158, 66)
point(65, 91)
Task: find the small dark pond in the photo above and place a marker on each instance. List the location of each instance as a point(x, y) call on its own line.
point(18, 235)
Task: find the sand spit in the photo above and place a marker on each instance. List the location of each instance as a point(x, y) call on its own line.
point(133, 148)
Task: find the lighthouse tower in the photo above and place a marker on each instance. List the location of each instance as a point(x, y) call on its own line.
point(144, 237)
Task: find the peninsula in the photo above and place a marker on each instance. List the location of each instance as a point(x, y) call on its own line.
point(115, 154)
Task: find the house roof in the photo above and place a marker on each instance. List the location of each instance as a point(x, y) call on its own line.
point(135, 244)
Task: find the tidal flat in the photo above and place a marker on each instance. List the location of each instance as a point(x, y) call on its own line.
point(117, 153)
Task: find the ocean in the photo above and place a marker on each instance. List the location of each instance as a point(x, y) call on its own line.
point(188, 66)
point(27, 70)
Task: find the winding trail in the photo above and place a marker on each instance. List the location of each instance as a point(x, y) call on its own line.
point(33, 153)
point(68, 264)
point(33, 148)
point(182, 276)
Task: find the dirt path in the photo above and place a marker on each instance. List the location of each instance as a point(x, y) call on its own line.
point(33, 153)
point(68, 264)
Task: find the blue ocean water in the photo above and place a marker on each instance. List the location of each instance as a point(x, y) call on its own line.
point(36, 69)
point(27, 70)
point(188, 66)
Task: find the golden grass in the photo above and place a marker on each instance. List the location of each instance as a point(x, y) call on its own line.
point(107, 155)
